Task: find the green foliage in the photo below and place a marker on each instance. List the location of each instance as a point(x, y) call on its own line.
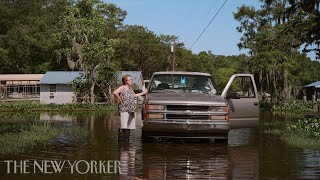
point(27, 106)
point(141, 49)
point(294, 106)
point(299, 140)
point(303, 132)
point(21, 131)
point(18, 122)
point(89, 35)
point(26, 44)
point(305, 23)
point(310, 127)
point(274, 46)
point(15, 142)
point(84, 34)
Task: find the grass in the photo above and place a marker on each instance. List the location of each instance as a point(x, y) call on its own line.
point(18, 135)
point(36, 106)
point(300, 140)
point(14, 143)
point(303, 133)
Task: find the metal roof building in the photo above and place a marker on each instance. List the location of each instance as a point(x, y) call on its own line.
point(60, 77)
point(315, 85)
point(56, 87)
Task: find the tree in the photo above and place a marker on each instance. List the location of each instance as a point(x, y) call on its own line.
point(274, 44)
point(26, 28)
point(266, 37)
point(140, 49)
point(306, 22)
point(87, 46)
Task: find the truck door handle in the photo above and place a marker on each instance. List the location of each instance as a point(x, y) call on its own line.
point(256, 103)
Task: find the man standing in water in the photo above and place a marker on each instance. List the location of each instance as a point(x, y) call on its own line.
point(127, 106)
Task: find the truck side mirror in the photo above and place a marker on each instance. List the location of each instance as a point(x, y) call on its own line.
point(233, 95)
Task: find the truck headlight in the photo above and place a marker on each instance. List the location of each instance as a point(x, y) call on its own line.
point(217, 108)
point(154, 107)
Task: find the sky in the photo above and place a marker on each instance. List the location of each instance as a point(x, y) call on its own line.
point(187, 19)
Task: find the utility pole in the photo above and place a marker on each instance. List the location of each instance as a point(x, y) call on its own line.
point(173, 55)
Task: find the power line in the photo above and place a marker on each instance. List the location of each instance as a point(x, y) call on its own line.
point(208, 24)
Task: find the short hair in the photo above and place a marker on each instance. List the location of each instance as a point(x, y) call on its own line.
point(125, 78)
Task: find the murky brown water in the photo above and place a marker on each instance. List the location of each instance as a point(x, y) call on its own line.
point(249, 154)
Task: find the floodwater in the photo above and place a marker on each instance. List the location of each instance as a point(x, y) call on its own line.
point(249, 154)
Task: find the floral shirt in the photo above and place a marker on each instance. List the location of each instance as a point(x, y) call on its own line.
point(128, 100)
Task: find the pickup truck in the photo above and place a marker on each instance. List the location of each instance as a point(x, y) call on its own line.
point(187, 105)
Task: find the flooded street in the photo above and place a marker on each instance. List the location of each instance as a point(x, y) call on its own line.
point(249, 154)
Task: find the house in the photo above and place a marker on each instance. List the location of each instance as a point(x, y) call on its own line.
point(56, 87)
point(20, 86)
point(313, 89)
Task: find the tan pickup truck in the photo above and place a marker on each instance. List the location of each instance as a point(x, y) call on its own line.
point(187, 105)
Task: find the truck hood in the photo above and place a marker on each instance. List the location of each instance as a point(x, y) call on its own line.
point(185, 98)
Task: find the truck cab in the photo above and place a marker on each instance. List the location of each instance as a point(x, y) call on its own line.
point(187, 105)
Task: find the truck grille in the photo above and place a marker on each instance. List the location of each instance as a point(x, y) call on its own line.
point(186, 107)
point(182, 116)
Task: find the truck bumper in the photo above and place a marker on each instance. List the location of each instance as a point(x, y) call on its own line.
point(186, 128)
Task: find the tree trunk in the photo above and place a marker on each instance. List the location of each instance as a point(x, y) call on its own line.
point(92, 94)
point(111, 99)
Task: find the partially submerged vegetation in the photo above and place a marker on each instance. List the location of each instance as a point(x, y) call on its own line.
point(36, 106)
point(24, 131)
point(304, 133)
point(294, 106)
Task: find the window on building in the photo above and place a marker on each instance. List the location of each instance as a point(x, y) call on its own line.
point(53, 88)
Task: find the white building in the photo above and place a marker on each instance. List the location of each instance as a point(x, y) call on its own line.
point(56, 87)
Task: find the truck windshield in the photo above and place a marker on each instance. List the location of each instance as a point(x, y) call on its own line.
point(180, 83)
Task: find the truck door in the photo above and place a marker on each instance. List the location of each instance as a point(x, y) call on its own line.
point(242, 97)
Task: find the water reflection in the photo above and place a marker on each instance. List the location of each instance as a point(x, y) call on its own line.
point(249, 153)
point(185, 160)
point(127, 158)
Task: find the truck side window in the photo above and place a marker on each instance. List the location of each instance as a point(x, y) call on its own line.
point(242, 86)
